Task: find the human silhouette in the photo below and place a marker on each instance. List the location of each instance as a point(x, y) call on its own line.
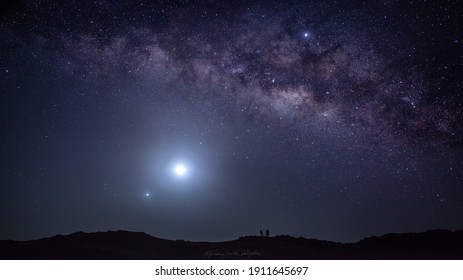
point(267, 233)
point(261, 233)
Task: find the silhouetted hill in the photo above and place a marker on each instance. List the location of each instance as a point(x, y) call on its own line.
point(435, 244)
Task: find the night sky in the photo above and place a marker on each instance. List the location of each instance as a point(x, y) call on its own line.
point(212, 120)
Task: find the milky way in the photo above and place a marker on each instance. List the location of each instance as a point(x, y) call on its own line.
point(334, 120)
point(284, 66)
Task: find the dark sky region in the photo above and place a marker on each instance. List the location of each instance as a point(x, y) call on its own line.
point(335, 120)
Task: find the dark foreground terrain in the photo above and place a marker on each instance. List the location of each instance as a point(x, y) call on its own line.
point(435, 244)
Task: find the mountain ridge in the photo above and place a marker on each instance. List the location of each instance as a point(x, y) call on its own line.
point(431, 244)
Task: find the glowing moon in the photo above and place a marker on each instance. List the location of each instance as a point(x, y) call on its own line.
point(180, 170)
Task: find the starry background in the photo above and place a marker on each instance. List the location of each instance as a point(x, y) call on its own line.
point(334, 120)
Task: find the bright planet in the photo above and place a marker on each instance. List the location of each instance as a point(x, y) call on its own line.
point(180, 170)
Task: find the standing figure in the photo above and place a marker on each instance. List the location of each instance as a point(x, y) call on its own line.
point(261, 233)
point(267, 233)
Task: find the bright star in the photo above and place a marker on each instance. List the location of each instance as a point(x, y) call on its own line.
point(147, 194)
